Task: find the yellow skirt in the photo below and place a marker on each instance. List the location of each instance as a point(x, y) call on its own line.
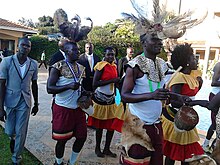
point(173, 136)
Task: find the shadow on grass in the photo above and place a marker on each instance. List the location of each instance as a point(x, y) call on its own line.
point(5, 155)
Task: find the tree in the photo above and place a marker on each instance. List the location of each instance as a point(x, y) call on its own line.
point(45, 25)
point(125, 29)
point(26, 22)
point(40, 43)
point(45, 21)
point(59, 17)
point(112, 35)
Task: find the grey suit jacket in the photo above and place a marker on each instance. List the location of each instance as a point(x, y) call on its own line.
point(16, 85)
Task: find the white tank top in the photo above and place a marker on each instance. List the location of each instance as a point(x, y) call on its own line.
point(148, 111)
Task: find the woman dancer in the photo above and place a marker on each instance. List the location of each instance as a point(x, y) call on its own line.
point(181, 145)
point(104, 114)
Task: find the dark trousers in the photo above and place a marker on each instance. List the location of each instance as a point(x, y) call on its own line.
point(43, 62)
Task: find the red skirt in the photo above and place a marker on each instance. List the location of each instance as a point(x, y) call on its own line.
point(117, 124)
point(68, 123)
point(101, 124)
point(181, 152)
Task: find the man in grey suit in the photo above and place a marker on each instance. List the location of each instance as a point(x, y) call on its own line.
point(17, 77)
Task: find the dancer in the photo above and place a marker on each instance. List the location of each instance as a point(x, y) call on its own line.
point(104, 81)
point(68, 119)
point(143, 85)
point(64, 81)
point(215, 88)
point(181, 145)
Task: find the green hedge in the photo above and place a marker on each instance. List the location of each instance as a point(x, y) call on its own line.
point(40, 43)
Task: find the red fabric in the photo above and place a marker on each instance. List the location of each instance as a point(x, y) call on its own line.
point(102, 124)
point(189, 92)
point(68, 123)
point(181, 152)
point(117, 124)
point(127, 162)
point(109, 72)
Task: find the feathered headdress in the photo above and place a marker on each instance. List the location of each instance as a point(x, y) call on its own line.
point(73, 30)
point(174, 28)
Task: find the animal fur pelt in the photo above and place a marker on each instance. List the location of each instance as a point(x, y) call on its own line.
point(134, 133)
point(216, 152)
point(213, 159)
point(202, 160)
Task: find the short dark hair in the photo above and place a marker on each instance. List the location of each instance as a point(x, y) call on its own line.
point(66, 44)
point(180, 55)
point(109, 48)
point(23, 38)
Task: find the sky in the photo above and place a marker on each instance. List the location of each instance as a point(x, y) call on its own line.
point(100, 11)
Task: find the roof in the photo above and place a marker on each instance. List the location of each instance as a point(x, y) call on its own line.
point(8, 25)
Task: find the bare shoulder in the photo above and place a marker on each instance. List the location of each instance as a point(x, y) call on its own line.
point(135, 72)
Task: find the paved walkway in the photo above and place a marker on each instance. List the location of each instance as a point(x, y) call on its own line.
point(40, 143)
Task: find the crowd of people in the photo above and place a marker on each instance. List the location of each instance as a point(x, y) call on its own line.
point(145, 116)
point(143, 93)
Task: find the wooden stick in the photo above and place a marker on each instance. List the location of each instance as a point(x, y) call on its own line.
point(81, 75)
point(171, 78)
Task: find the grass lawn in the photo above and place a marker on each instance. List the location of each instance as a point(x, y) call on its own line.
point(5, 154)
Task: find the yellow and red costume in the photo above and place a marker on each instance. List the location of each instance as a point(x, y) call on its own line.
point(105, 112)
point(181, 145)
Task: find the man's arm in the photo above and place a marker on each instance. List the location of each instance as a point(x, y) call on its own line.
point(120, 67)
point(35, 91)
point(52, 88)
point(2, 98)
point(216, 75)
point(214, 104)
point(3, 79)
point(34, 88)
point(129, 83)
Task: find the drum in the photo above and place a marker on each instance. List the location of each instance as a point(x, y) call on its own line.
point(185, 119)
point(85, 102)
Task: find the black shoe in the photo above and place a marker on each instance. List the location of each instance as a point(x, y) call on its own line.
point(12, 145)
point(109, 153)
point(99, 153)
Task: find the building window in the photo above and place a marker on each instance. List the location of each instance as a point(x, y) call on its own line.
point(8, 46)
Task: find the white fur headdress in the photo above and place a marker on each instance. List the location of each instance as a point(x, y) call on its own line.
point(174, 28)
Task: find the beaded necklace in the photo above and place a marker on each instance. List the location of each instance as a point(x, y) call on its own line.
point(72, 71)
